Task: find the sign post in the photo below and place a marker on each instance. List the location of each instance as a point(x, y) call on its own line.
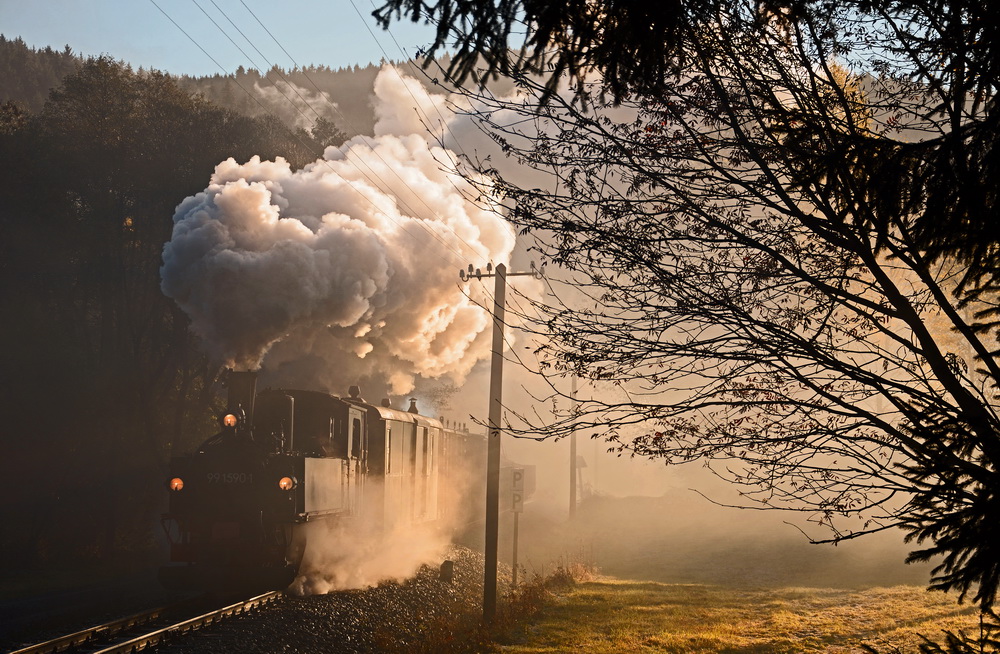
point(517, 505)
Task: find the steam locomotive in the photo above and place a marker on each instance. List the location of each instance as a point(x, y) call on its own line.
point(241, 504)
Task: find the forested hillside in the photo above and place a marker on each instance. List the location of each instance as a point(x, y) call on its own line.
point(27, 75)
point(102, 379)
point(299, 97)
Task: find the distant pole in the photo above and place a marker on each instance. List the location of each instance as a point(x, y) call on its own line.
point(513, 581)
point(516, 505)
point(493, 451)
point(493, 438)
point(596, 464)
point(572, 452)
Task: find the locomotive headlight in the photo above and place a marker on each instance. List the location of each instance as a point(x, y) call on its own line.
point(229, 420)
point(288, 483)
point(175, 484)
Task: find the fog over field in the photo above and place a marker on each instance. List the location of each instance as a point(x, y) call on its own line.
point(638, 519)
point(364, 286)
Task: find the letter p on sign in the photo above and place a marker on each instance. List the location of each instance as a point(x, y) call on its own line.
point(517, 486)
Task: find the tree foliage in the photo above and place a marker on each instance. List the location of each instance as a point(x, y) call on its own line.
point(298, 97)
point(634, 45)
point(341, 96)
point(28, 74)
point(638, 48)
point(777, 251)
point(100, 374)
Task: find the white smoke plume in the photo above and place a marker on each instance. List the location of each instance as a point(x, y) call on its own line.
point(295, 105)
point(359, 552)
point(354, 554)
point(341, 556)
point(350, 263)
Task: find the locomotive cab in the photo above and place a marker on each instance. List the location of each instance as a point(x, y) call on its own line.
point(240, 505)
point(236, 504)
point(224, 502)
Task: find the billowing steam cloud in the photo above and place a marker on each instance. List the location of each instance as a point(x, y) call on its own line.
point(358, 554)
point(295, 105)
point(351, 261)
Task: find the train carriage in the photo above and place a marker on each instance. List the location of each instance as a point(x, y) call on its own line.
point(285, 458)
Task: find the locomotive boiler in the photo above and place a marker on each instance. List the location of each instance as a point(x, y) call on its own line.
point(239, 505)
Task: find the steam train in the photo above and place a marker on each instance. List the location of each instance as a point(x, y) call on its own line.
point(240, 506)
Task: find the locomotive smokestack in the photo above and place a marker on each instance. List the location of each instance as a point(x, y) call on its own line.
point(242, 391)
point(413, 406)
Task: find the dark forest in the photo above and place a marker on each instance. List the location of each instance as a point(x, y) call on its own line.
point(101, 377)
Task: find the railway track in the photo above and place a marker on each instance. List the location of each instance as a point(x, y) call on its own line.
point(142, 630)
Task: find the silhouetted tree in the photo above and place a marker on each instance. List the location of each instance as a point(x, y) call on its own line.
point(326, 133)
point(29, 74)
point(639, 48)
point(101, 375)
point(775, 238)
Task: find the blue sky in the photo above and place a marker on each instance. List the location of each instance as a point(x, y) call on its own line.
point(329, 32)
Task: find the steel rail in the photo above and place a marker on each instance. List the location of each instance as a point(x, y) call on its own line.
point(109, 629)
point(63, 643)
point(148, 640)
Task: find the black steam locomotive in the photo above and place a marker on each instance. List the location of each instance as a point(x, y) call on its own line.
point(239, 506)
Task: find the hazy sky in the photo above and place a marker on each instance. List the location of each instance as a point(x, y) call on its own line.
point(327, 32)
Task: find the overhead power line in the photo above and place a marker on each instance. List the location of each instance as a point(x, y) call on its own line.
point(309, 147)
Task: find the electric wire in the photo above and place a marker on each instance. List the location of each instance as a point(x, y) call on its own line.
point(346, 121)
point(452, 165)
point(426, 120)
point(305, 74)
point(294, 88)
point(447, 126)
point(515, 294)
point(274, 68)
point(520, 309)
point(308, 146)
point(353, 162)
point(409, 63)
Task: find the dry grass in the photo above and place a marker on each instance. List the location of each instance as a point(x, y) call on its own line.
point(715, 580)
point(614, 616)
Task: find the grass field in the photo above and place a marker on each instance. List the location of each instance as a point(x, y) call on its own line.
point(710, 580)
point(611, 616)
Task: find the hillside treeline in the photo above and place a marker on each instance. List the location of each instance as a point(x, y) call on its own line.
point(27, 74)
point(299, 97)
point(101, 378)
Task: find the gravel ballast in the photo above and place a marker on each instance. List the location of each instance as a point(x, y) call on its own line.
point(391, 617)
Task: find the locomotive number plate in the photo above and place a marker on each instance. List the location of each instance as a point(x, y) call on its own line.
point(230, 477)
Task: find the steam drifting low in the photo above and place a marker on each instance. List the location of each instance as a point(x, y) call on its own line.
point(351, 260)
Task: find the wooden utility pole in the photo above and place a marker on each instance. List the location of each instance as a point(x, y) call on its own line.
point(493, 437)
